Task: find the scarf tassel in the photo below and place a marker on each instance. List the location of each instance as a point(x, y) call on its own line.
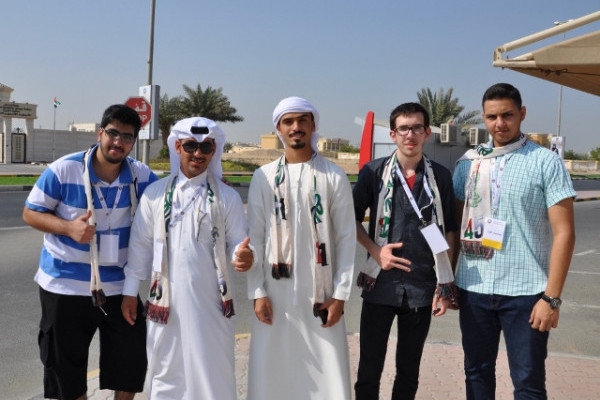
point(448, 291)
point(98, 298)
point(228, 310)
point(281, 270)
point(365, 281)
point(475, 249)
point(156, 313)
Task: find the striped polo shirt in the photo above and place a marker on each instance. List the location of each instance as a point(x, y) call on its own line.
point(534, 180)
point(64, 265)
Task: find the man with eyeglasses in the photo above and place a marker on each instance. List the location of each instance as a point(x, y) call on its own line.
point(407, 274)
point(84, 202)
point(189, 231)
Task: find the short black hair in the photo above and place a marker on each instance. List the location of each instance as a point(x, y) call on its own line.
point(123, 114)
point(408, 108)
point(501, 91)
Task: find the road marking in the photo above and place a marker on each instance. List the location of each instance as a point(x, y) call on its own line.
point(585, 253)
point(15, 228)
point(592, 306)
point(584, 272)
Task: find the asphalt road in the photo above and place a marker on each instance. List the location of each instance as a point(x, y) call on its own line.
point(21, 372)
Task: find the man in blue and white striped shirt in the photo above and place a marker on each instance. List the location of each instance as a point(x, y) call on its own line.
point(517, 238)
point(84, 202)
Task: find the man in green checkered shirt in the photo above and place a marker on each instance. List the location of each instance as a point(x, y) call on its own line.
point(517, 238)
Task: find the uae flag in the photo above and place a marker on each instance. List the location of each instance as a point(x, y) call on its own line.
point(56, 102)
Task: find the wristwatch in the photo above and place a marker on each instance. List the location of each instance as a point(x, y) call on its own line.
point(554, 302)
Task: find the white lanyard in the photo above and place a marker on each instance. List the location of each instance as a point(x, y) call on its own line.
point(104, 206)
point(411, 198)
point(496, 181)
point(178, 215)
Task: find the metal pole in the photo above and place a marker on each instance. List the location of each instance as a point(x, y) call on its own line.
point(560, 88)
point(559, 110)
point(146, 143)
point(54, 135)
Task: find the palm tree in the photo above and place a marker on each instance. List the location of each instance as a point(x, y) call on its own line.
point(444, 109)
point(170, 111)
point(209, 103)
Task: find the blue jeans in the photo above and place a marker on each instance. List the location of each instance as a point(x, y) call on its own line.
point(482, 317)
point(375, 324)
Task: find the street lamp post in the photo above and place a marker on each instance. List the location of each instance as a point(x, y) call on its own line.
point(560, 88)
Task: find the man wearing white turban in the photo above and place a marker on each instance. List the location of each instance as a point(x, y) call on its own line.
point(188, 232)
point(298, 217)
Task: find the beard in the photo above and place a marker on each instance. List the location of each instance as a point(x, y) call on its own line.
point(113, 160)
point(299, 145)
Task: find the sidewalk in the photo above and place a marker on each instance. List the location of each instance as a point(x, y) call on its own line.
point(441, 378)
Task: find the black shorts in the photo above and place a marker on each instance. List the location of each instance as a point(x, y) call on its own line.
point(67, 327)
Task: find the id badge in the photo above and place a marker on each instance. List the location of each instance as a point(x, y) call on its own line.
point(436, 241)
point(109, 249)
point(493, 233)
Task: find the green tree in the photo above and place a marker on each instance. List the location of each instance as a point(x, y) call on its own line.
point(227, 147)
point(170, 111)
point(595, 154)
point(572, 155)
point(348, 148)
point(445, 109)
point(209, 103)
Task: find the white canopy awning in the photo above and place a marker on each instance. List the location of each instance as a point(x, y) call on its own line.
point(574, 63)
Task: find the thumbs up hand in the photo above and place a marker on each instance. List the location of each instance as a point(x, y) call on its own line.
point(80, 230)
point(243, 256)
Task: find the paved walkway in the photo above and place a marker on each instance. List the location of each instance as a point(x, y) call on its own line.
point(441, 378)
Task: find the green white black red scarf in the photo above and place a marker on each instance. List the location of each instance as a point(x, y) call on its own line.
point(282, 230)
point(478, 202)
point(157, 305)
point(371, 269)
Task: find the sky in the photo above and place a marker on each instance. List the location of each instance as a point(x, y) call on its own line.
point(347, 57)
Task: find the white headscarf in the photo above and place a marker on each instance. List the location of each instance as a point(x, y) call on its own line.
point(183, 130)
point(294, 105)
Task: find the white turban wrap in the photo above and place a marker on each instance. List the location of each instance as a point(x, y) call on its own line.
point(183, 130)
point(297, 105)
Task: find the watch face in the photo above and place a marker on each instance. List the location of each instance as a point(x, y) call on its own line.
point(555, 303)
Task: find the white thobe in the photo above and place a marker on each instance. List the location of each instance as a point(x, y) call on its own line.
point(295, 357)
point(192, 356)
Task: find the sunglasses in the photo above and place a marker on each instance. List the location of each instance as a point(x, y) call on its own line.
point(191, 147)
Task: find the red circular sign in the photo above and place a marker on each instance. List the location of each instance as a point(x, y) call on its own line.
point(142, 107)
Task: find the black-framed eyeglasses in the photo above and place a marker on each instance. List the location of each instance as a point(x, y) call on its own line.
point(191, 146)
point(114, 134)
point(403, 130)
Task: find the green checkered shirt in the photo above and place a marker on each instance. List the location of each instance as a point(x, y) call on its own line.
point(534, 179)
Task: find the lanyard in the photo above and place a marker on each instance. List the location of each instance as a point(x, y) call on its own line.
point(178, 214)
point(411, 198)
point(496, 181)
point(105, 207)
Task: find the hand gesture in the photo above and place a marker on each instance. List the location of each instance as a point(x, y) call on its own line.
point(387, 260)
point(243, 256)
point(80, 230)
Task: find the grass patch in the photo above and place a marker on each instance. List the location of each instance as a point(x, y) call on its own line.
point(228, 166)
point(17, 180)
